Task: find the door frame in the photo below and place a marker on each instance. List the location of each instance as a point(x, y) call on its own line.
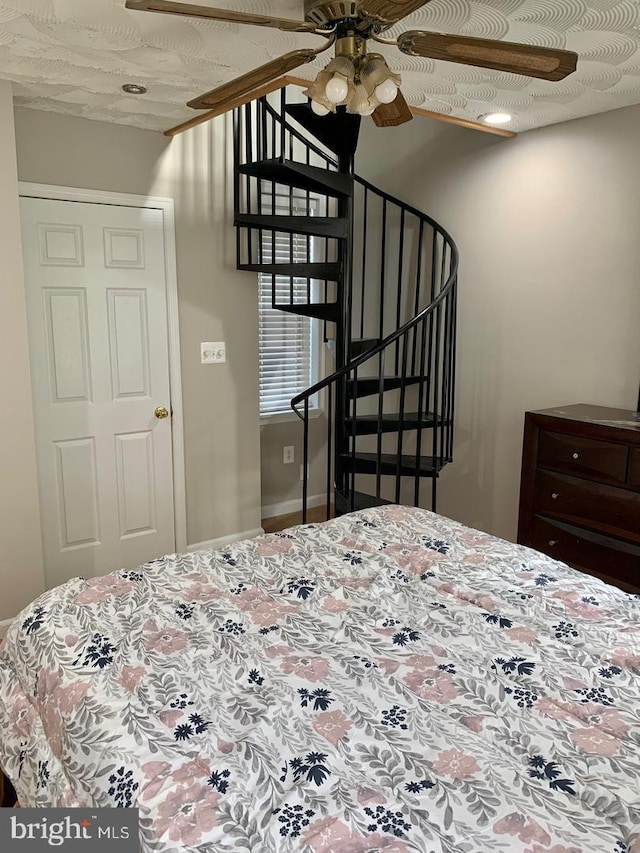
point(166, 206)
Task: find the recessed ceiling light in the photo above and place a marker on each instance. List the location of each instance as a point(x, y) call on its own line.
point(496, 118)
point(134, 89)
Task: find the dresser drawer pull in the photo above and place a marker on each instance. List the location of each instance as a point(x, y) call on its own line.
point(576, 455)
point(553, 542)
point(555, 496)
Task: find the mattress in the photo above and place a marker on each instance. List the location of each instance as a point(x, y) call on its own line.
point(387, 681)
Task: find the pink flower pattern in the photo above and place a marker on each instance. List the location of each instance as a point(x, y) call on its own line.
point(262, 608)
point(525, 828)
point(594, 741)
point(167, 641)
point(310, 669)
point(331, 604)
point(432, 684)
point(272, 546)
point(187, 815)
point(457, 765)
point(332, 725)
point(131, 676)
point(104, 588)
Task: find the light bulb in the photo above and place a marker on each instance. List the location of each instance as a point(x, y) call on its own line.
point(336, 89)
point(386, 92)
point(319, 109)
point(496, 118)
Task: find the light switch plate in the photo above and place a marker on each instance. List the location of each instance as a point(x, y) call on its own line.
point(213, 352)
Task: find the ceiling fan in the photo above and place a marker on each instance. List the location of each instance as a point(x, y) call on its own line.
point(359, 80)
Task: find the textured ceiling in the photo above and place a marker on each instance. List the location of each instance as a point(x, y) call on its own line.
point(72, 56)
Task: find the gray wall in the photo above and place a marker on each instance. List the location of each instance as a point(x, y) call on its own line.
point(216, 302)
point(281, 483)
point(21, 575)
point(547, 225)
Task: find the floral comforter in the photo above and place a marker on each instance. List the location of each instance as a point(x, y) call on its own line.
point(389, 681)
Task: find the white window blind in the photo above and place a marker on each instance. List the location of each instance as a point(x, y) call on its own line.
point(288, 343)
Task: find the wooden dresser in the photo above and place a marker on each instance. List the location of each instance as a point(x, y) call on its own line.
point(580, 490)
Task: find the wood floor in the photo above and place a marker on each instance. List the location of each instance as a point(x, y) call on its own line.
point(281, 522)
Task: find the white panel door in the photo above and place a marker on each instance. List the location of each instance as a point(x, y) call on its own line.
point(96, 298)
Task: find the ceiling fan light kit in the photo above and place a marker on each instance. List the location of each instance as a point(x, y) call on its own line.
point(363, 83)
point(359, 81)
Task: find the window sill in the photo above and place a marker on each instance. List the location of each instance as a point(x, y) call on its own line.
point(287, 417)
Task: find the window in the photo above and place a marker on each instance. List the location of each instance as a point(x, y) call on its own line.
point(289, 344)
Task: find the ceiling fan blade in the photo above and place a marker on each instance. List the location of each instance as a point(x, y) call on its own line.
point(529, 60)
point(252, 79)
point(189, 10)
point(388, 11)
point(393, 114)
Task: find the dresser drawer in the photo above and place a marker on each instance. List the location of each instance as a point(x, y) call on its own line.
point(634, 467)
point(583, 457)
point(602, 557)
point(607, 509)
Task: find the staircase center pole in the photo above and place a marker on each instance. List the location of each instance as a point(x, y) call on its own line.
point(343, 326)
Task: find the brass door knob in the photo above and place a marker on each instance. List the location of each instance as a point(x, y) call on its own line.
point(161, 413)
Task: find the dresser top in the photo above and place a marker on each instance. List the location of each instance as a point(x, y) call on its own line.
point(600, 415)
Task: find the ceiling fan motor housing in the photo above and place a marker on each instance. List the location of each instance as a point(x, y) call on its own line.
point(325, 13)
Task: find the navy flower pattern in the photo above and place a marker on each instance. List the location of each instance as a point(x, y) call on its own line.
point(319, 699)
point(438, 545)
point(43, 774)
point(98, 653)
point(311, 767)
point(302, 587)
point(232, 627)
point(396, 717)
point(549, 771)
point(388, 821)
point(496, 619)
point(293, 819)
point(184, 611)
point(122, 787)
point(405, 636)
point(34, 620)
point(220, 780)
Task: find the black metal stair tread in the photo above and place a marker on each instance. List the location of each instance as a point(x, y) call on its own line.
point(366, 463)
point(318, 226)
point(360, 345)
point(301, 175)
point(320, 310)
point(389, 422)
point(371, 384)
point(360, 501)
point(322, 271)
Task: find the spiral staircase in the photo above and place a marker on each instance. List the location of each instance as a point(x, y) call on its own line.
point(378, 274)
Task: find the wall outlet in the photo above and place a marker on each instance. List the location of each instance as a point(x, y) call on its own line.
point(288, 455)
point(213, 352)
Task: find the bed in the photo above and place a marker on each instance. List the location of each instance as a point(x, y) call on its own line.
point(387, 681)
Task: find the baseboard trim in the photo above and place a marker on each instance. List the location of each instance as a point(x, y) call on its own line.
point(4, 627)
point(286, 507)
point(212, 544)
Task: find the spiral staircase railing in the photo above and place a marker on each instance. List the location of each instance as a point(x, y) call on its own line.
point(380, 274)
